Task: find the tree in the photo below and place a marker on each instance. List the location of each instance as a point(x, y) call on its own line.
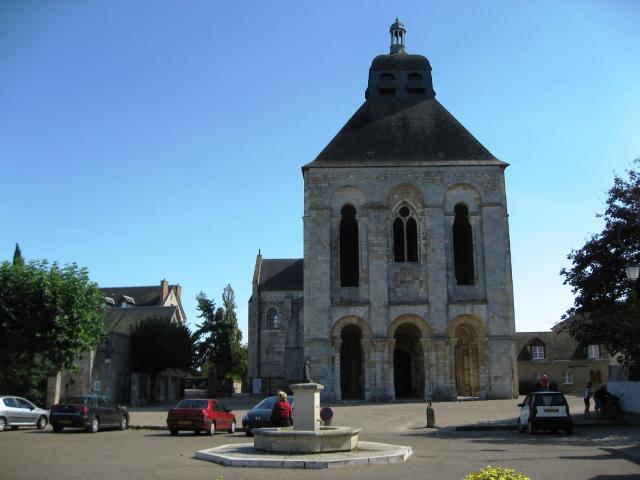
point(18, 259)
point(605, 311)
point(218, 338)
point(49, 315)
point(157, 345)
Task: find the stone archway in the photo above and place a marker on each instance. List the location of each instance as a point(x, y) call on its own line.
point(467, 364)
point(351, 363)
point(408, 360)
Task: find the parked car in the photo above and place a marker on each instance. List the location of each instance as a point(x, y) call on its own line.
point(19, 412)
point(90, 412)
point(260, 415)
point(545, 410)
point(198, 415)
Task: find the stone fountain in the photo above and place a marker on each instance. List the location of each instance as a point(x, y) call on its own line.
point(308, 444)
point(308, 434)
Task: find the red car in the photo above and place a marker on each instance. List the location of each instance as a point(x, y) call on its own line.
point(199, 415)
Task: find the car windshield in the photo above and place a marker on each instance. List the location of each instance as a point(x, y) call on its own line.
point(267, 403)
point(193, 403)
point(551, 400)
point(76, 400)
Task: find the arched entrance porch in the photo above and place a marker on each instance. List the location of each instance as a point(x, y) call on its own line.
point(467, 362)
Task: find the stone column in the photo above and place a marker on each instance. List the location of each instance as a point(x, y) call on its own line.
point(306, 415)
point(426, 358)
point(389, 377)
point(54, 385)
point(336, 345)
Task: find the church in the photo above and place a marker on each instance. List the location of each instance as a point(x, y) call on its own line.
point(405, 288)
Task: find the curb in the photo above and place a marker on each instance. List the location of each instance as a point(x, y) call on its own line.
point(508, 427)
point(148, 427)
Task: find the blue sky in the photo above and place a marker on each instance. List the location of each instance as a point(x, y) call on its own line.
point(161, 139)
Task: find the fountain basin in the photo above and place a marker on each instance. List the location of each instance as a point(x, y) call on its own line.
point(324, 440)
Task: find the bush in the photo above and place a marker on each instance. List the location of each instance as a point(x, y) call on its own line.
point(496, 473)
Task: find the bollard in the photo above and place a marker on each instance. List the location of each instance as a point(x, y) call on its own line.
point(431, 417)
point(326, 415)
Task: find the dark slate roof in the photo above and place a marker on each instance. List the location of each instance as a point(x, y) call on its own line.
point(401, 130)
point(400, 61)
point(557, 346)
point(143, 296)
point(281, 274)
point(122, 320)
point(402, 127)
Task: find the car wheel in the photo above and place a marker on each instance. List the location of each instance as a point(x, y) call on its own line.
point(248, 433)
point(15, 427)
point(124, 423)
point(531, 428)
point(57, 428)
point(568, 430)
point(173, 432)
point(212, 429)
point(554, 431)
point(3, 423)
point(95, 425)
point(232, 429)
point(42, 423)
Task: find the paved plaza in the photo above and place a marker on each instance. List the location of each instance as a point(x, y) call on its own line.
point(594, 452)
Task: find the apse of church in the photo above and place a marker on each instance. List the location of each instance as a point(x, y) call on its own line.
point(405, 289)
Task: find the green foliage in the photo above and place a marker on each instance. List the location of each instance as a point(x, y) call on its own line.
point(604, 310)
point(496, 473)
point(218, 339)
point(49, 315)
point(18, 259)
point(157, 345)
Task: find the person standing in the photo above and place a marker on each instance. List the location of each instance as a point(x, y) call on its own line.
point(586, 396)
point(544, 381)
point(281, 411)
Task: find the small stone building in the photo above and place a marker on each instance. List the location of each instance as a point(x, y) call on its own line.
point(405, 289)
point(568, 364)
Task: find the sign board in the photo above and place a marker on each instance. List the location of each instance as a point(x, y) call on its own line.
point(97, 385)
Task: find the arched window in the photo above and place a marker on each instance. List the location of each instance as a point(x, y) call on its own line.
point(272, 318)
point(463, 246)
point(349, 258)
point(405, 236)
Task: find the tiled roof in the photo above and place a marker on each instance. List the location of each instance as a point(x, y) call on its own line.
point(405, 131)
point(557, 346)
point(281, 274)
point(122, 320)
point(143, 296)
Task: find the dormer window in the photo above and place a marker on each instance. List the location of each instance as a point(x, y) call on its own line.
point(593, 351)
point(415, 83)
point(537, 352)
point(386, 85)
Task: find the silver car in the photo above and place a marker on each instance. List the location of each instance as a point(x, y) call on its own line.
point(18, 412)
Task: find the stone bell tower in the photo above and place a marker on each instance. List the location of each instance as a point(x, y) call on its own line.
point(407, 267)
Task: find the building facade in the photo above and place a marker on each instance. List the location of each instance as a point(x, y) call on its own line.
point(107, 370)
point(406, 285)
point(568, 364)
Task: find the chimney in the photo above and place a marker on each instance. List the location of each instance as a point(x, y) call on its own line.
point(178, 291)
point(165, 291)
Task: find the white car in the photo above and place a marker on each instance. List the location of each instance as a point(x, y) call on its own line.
point(18, 412)
point(545, 410)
